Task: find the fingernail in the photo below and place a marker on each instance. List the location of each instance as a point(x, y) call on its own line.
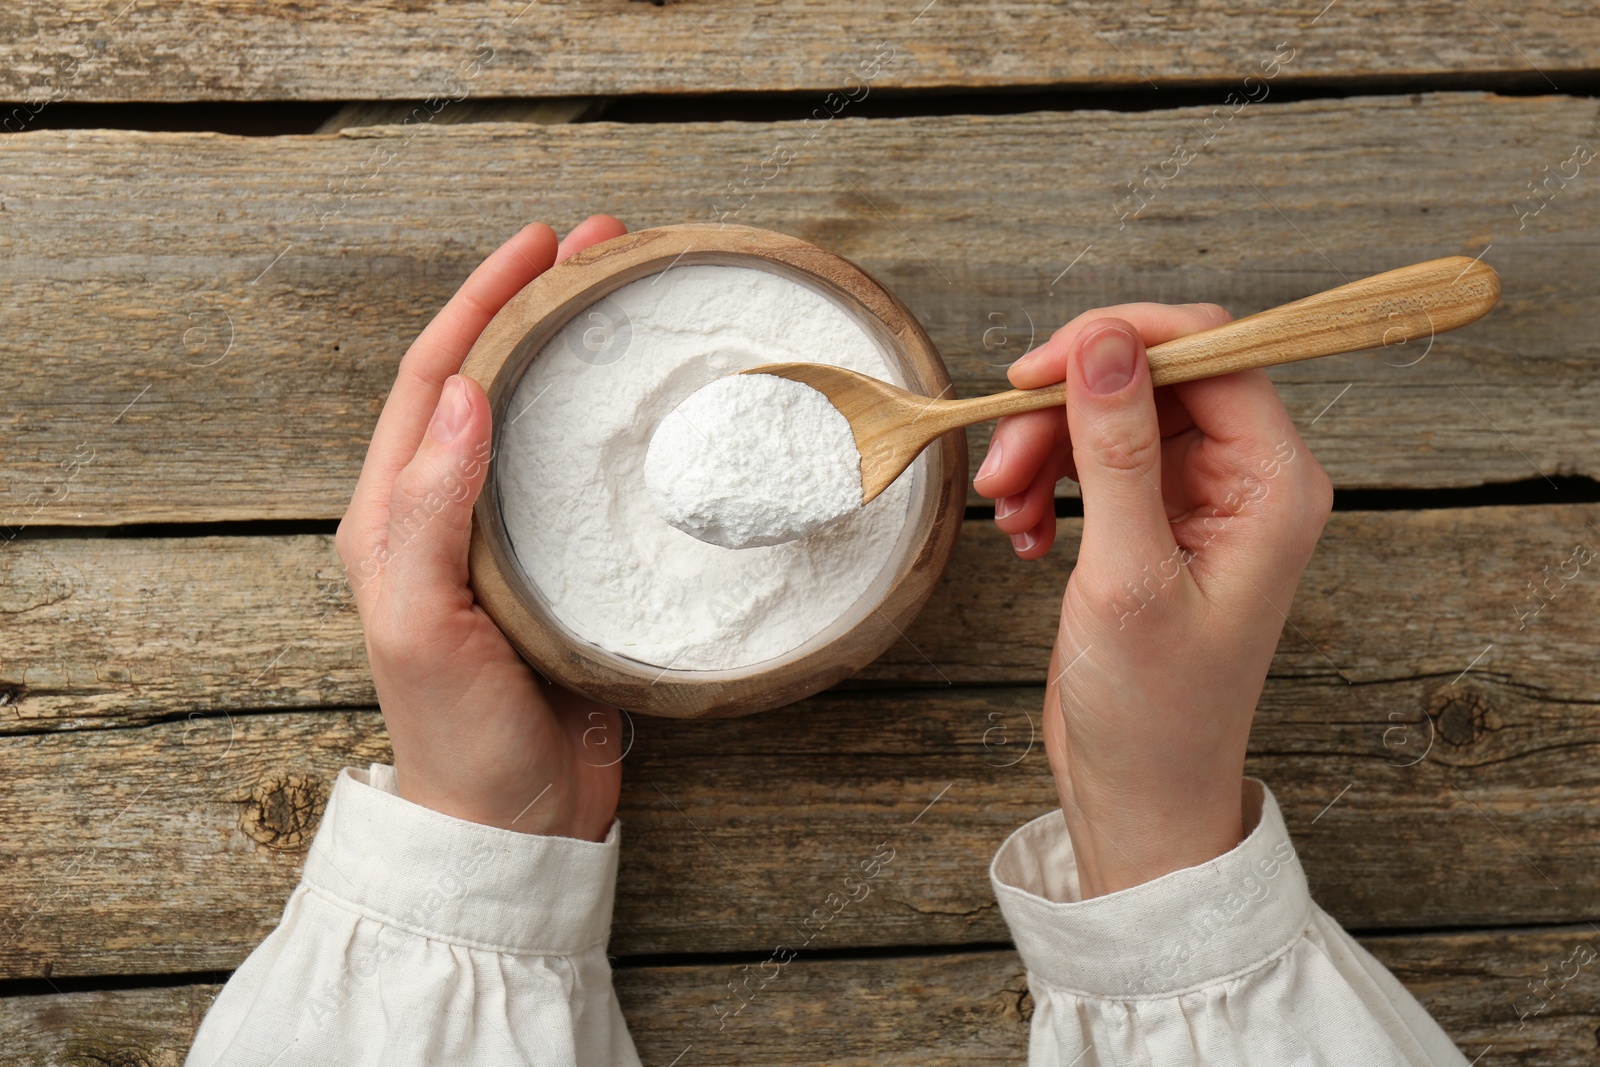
point(451, 416)
point(1107, 361)
point(1007, 506)
point(1025, 358)
point(991, 462)
point(1023, 541)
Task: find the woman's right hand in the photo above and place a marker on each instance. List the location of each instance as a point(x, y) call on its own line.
point(1201, 508)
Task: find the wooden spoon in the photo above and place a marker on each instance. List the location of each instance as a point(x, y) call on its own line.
point(893, 426)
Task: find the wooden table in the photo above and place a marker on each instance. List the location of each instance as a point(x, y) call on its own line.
point(199, 329)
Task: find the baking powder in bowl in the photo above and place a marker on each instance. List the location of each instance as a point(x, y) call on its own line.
point(570, 471)
point(753, 459)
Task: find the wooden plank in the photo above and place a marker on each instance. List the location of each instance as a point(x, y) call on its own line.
point(970, 1008)
point(173, 846)
point(102, 630)
point(116, 632)
point(127, 1027)
point(1387, 596)
point(203, 328)
point(1525, 994)
point(86, 50)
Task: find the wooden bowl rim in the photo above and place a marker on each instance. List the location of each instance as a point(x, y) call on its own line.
point(526, 323)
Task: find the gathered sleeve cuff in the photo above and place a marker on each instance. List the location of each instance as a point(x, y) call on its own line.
point(416, 938)
point(440, 877)
point(1227, 962)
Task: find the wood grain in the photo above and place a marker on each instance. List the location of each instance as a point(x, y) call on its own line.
point(172, 847)
point(125, 1027)
point(218, 319)
point(916, 1010)
point(378, 49)
point(100, 630)
point(105, 632)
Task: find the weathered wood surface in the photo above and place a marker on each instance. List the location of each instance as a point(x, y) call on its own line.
point(101, 629)
point(172, 847)
point(214, 321)
point(127, 1027)
point(399, 49)
point(116, 632)
point(970, 1008)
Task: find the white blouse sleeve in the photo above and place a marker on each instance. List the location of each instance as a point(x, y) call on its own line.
point(1230, 962)
point(417, 938)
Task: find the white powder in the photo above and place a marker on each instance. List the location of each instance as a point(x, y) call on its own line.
point(571, 474)
point(753, 459)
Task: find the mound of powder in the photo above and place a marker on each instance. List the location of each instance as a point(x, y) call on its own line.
point(570, 474)
point(753, 459)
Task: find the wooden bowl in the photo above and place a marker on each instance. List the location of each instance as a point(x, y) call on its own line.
point(519, 332)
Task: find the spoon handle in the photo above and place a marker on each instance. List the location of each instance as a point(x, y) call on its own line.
point(1392, 308)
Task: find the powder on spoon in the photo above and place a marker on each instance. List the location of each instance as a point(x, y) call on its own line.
point(570, 474)
point(753, 459)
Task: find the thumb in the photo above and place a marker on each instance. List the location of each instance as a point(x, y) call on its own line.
point(1116, 444)
point(430, 506)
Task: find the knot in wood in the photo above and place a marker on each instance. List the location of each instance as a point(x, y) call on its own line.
point(1016, 1002)
point(283, 813)
point(1460, 714)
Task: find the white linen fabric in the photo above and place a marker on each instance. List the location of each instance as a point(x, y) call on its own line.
point(417, 938)
point(1230, 962)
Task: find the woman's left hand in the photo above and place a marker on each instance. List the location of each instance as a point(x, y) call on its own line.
point(477, 733)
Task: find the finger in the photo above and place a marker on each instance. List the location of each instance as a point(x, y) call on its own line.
point(1178, 489)
point(1021, 442)
point(436, 354)
point(1170, 412)
point(1022, 511)
point(430, 507)
point(1258, 491)
point(1241, 432)
point(1069, 466)
point(1116, 441)
point(1020, 446)
point(1242, 409)
point(1155, 323)
point(440, 349)
point(591, 231)
point(1035, 542)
